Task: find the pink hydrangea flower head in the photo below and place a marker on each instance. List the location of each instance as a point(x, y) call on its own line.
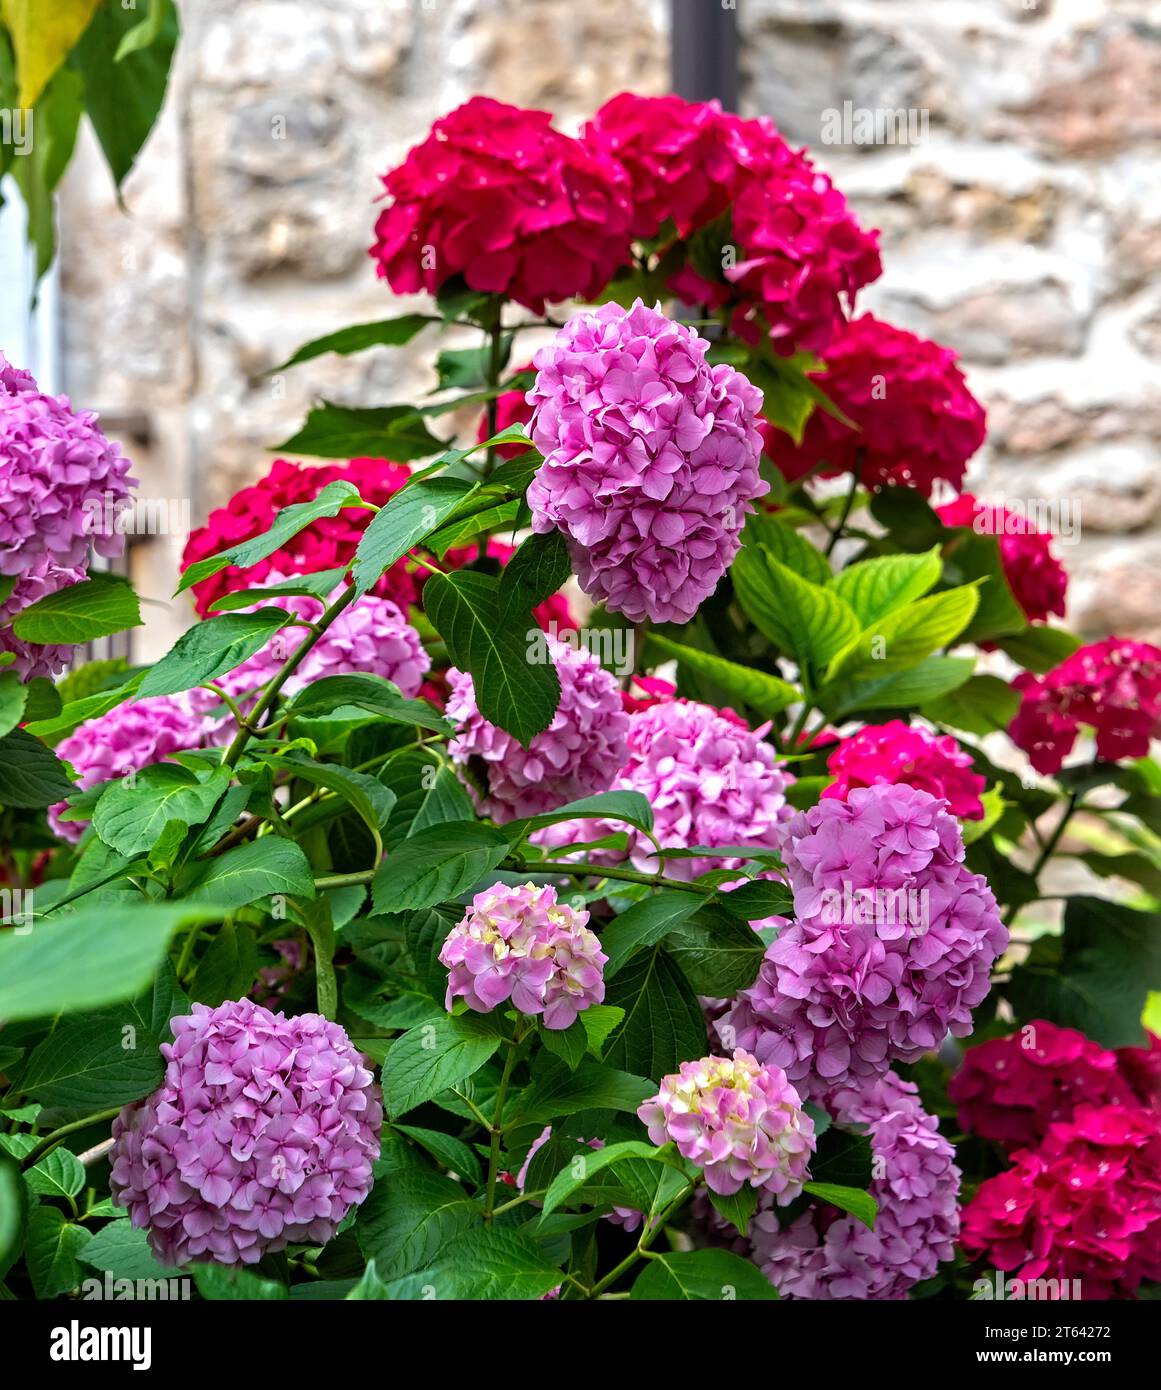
point(709, 781)
point(742, 1123)
point(43, 577)
point(898, 753)
point(824, 1254)
point(496, 195)
point(917, 421)
point(1036, 577)
point(60, 478)
point(326, 544)
point(891, 946)
point(370, 637)
point(650, 459)
point(1113, 687)
point(1011, 1089)
point(1085, 1205)
point(125, 740)
point(577, 755)
point(262, 1135)
point(520, 944)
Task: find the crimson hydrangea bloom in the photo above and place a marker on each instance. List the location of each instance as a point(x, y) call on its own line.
point(521, 944)
point(1113, 686)
point(1036, 577)
point(1012, 1089)
point(496, 195)
point(1141, 1069)
point(59, 478)
point(742, 1123)
point(128, 738)
point(650, 459)
point(890, 949)
point(325, 544)
point(824, 1254)
point(577, 755)
point(917, 421)
point(709, 781)
point(262, 1135)
point(43, 577)
point(887, 754)
point(1085, 1205)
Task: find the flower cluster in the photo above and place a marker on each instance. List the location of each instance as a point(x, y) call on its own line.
point(59, 478)
point(742, 1123)
point(1141, 1068)
point(1085, 1205)
point(496, 195)
point(917, 422)
point(823, 1254)
point(1113, 686)
point(1036, 577)
point(325, 544)
point(128, 738)
point(577, 755)
point(1012, 1089)
point(650, 459)
point(890, 949)
point(262, 1134)
point(521, 944)
point(897, 753)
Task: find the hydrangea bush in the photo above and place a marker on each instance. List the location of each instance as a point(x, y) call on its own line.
point(601, 816)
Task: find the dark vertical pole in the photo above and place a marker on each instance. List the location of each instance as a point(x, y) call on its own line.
point(705, 51)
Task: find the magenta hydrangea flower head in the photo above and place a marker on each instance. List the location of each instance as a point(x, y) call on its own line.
point(576, 756)
point(898, 753)
point(43, 577)
point(521, 944)
point(128, 738)
point(60, 478)
point(709, 779)
point(742, 1123)
point(891, 946)
point(262, 1134)
point(823, 1254)
point(650, 459)
point(370, 637)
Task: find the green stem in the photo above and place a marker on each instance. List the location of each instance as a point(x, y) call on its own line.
point(1047, 849)
point(296, 658)
point(649, 1233)
point(497, 1127)
point(836, 534)
point(51, 1140)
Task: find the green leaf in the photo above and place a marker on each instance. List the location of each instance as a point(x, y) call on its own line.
point(433, 1057)
point(96, 607)
point(1039, 649)
point(58, 1174)
point(982, 705)
point(370, 1287)
point(288, 523)
point(252, 871)
point(569, 1044)
point(631, 808)
point(76, 712)
point(437, 864)
point(842, 1159)
point(571, 1180)
point(371, 801)
point(123, 1251)
point(903, 638)
point(909, 517)
point(859, 1203)
point(804, 620)
point(366, 692)
point(228, 967)
point(31, 775)
point(129, 818)
point(539, 567)
point(502, 517)
point(643, 925)
point(1097, 976)
point(933, 677)
point(495, 642)
point(38, 172)
point(663, 1024)
point(452, 1153)
point(220, 1282)
point(738, 1208)
point(408, 1221)
point(124, 104)
point(789, 547)
point(599, 1020)
point(763, 897)
point(766, 695)
point(42, 40)
point(84, 959)
point(360, 336)
point(343, 432)
point(408, 518)
point(211, 648)
point(973, 557)
point(13, 1212)
point(52, 1249)
point(558, 1089)
point(147, 31)
point(13, 697)
point(427, 792)
point(483, 1266)
point(715, 952)
point(320, 586)
point(874, 588)
point(704, 1276)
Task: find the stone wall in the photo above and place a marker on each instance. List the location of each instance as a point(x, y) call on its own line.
point(1022, 228)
